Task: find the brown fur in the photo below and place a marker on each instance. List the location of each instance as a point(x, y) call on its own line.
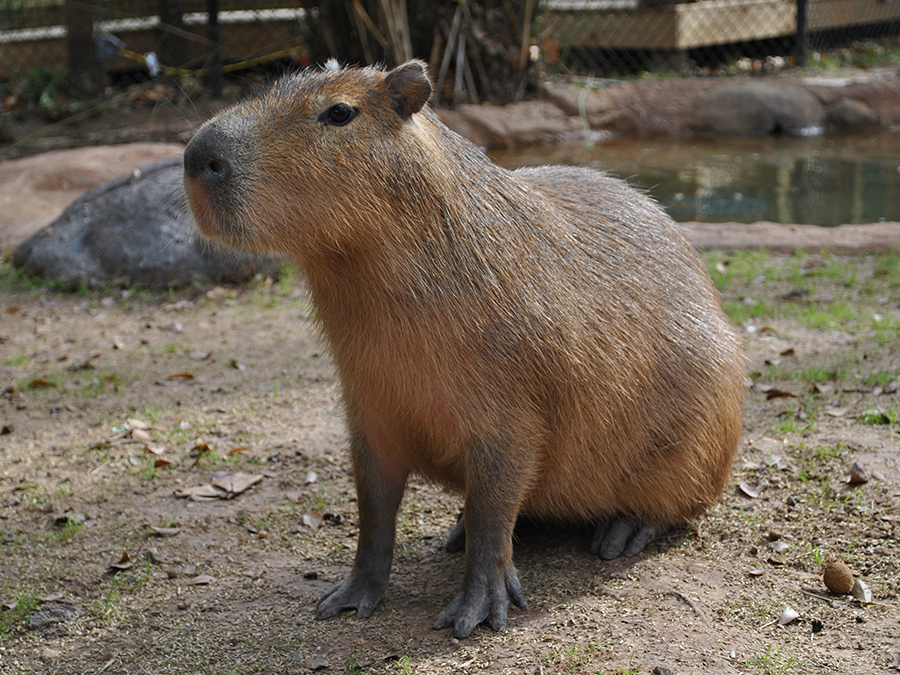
point(554, 315)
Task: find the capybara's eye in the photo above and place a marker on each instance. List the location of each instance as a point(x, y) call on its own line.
point(338, 115)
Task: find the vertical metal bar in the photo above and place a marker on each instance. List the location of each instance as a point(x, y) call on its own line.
point(80, 49)
point(801, 47)
point(213, 41)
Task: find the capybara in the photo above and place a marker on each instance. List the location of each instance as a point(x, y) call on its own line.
point(543, 341)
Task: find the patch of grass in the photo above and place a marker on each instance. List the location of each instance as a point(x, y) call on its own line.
point(26, 601)
point(875, 416)
point(773, 662)
point(791, 424)
point(69, 532)
point(18, 360)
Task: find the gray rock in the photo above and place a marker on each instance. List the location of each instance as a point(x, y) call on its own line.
point(50, 616)
point(851, 115)
point(134, 230)
point(758, 108)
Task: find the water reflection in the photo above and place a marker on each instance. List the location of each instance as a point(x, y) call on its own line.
point(822, 181)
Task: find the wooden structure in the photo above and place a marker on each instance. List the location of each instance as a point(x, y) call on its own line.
point(671, 27)
point(248, 28)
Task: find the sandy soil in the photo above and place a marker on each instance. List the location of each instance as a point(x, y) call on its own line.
point(113, 403)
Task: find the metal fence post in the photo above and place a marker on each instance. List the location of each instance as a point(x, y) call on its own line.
point(801, 47)
point(81, 56)
point(172, 48)
point(213, 42)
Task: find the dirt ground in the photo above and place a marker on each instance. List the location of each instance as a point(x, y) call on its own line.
point(114, 402)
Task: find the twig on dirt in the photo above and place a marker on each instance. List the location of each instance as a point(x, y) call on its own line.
point(690, 603)
point(816, 595)
point(106, 665)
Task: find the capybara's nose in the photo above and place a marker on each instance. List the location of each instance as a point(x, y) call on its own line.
point(206, 157)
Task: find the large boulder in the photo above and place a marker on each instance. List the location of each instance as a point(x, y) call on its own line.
point(758, 108)
point(134, 230)
point(35, 190)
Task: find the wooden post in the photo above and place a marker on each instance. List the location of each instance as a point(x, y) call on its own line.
point(80, 49)
point(213, 42)
point(801, 48)
point(171, 45)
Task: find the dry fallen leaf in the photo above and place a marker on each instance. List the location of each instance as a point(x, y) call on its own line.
point(179, 376)
point(823, 388)
point(787, 616)
point(202, 579)
point(752, 490)
point(224, 486)
point(123, 563)
point(861, 592)
point(217, 293)
point(166, 531)
point(236, 483)
point(858, 475)
point(779, 393)
point(141, 436)
point(86, 364)
point(40, 383)
point(234, 451)
point(312, 518)
point(201, 493)
point(779, 546)
point(52, 598)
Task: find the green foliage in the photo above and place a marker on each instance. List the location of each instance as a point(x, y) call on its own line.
point(773, 662)
point(54, 91)
point(875, 416)
point(26, 601)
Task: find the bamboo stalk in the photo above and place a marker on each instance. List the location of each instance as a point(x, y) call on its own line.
point(448, 52)
point(526, 34)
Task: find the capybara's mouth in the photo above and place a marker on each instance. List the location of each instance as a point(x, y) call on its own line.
point(204, 213)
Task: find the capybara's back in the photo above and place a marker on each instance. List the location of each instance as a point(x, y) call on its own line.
point(544, 341)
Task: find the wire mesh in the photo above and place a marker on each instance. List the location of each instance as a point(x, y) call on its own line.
point(106, 37)
point(88, 43)
point(609, 38)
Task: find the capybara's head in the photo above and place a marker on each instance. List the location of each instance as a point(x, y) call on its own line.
point(297, 168)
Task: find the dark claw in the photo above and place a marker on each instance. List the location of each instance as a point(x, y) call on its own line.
point(486, 603)
point(352, 593)
point(621, 537)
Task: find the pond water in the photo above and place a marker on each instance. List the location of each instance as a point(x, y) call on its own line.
point(823, 180)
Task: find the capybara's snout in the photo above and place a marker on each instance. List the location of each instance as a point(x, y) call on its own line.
point(213, 184)
point(208, 159)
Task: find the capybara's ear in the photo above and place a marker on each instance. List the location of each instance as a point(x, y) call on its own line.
point(409, 86)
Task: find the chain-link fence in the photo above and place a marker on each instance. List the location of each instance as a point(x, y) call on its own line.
point(609, 38)
point(86, 44)
point(100, 40)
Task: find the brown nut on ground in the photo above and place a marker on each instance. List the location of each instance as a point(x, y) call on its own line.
point(838, 578)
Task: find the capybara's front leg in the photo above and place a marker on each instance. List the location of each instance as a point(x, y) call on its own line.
point(495, 485)
point(379, 488)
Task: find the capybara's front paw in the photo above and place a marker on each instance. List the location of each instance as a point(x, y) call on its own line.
point(614, 538)
point(484, 599)
point(354, 592)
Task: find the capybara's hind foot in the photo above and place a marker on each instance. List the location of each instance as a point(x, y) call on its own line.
point(615, 538)
point(457, 540)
